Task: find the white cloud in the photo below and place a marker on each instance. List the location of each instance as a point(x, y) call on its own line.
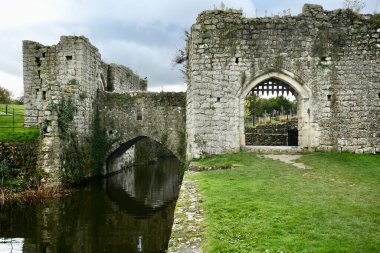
point(173, 88)
point(12, 83)
point(25, 12)
point(143, 35)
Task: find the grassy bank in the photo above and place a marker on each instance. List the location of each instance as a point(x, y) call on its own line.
point(19, 133)
point(268, 206)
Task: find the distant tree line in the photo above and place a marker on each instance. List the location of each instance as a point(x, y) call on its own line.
point(6, 97)
point(254, 105)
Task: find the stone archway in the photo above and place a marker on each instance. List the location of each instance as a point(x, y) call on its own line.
point(307, 133)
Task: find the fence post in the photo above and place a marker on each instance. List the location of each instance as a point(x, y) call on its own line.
point(6, 109)
point(13, 120)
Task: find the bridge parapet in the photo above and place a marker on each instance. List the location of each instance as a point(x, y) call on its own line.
point(128, 117)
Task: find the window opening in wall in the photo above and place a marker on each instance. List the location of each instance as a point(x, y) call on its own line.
point(328, 97)
point(37, 90)
point(39, 73)
point(237, 60)
point(110, 132)
point(218, 99)
point(139, 114)
point(378, 94)
point(270, 114)
point(69, 57)
point(44, 95)
point(38, 61)
point(324, 58)
point(44, 55)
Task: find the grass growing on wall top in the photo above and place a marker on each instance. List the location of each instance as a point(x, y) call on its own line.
point(20, 133)
point(269, 206)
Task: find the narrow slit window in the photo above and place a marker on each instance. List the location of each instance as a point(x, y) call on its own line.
point(37, 90)
point(69, 57)
point(378, 94)
point(38, 61)
point(43, 55)
point(237, 60)
point(328, 97)
point(218, 99)
point(139, 114)
point(44, 95)
point(39, 74)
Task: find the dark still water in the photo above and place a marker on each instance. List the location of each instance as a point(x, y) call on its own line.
point(129, 212)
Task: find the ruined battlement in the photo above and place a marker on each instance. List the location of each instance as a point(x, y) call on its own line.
point(72, 69)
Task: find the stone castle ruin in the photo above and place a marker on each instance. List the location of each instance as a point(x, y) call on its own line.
point(89, 110)
point(330, 59)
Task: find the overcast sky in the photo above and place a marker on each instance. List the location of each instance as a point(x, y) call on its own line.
point(141, 34)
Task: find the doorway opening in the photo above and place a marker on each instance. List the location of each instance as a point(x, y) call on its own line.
point(270, 114)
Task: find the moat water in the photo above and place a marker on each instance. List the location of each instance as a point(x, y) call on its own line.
point(131, 211)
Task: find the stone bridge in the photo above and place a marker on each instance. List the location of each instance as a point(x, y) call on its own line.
point(129, 117)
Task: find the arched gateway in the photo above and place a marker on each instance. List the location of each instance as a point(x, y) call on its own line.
point(303, 95)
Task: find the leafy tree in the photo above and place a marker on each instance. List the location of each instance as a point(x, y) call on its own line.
point(5, 96)
point(254, 105)
point(19, 100)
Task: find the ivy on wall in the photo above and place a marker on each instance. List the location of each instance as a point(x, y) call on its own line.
point(65, 110)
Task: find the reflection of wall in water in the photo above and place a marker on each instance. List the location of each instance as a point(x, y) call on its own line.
point(151, 185)
point(87, 222)
point(117, 163)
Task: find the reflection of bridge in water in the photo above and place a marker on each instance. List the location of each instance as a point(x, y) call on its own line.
point(121, 215)
point(143, 190)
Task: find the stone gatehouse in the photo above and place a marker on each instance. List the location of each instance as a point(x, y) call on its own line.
point(330, 59)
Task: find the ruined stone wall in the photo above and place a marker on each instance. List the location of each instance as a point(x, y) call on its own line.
point(330, 58)
point(269, 135)
point(122, 79)
point(71, 71)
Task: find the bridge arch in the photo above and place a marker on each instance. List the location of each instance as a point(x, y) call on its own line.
point(303, 96)
point(119, 147)
point(130, 117)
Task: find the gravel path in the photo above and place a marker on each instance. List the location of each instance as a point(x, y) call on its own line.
point(287, 159)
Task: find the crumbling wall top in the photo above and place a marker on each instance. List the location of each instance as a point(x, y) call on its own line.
point(312, 8)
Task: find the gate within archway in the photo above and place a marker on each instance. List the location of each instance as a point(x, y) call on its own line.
point(271, 114)
point(271, 84)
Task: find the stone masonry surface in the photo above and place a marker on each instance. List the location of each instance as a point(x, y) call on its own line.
point(72, 71)
point(269, 135)
point(129, 117)
point(330, 58)
point(188, 228)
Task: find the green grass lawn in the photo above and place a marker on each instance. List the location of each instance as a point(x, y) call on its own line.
point(19, 133)
point(269, 206)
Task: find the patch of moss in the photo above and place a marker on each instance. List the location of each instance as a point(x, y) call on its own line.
point(73, 82)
